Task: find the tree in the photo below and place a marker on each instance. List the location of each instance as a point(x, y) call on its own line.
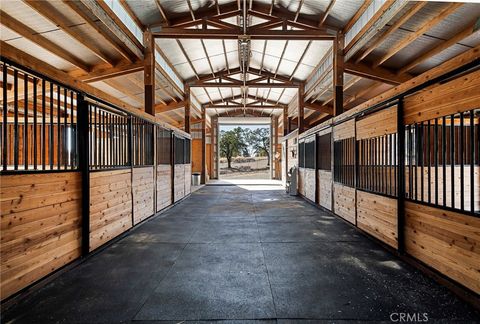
point(232, 143)
point(259, 140)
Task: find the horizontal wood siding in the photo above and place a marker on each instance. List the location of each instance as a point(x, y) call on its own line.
point(458, 95)
point(377, 124)
point(179, 182)
point(446, 241)
point(310, 184)
point(110, 205)
point(143, 192)
point(325, 189)
point(344, 130)
point(164, 186)
point(344, 198)
point(377, 215)
point(41, 226)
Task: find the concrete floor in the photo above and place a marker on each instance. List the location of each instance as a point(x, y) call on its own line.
point(247, 254)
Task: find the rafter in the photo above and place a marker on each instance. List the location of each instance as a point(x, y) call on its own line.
point(103, 72)
point(248, 106)
point(321, 108)
point(52, 14)
point(377, 74)
point(449, 9)
point(406, 16)
point(357, 15)
point(326, 13)
point(170, 106)
point(41, 41)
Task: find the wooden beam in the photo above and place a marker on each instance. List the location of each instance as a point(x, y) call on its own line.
point(321, 108)
point(338, 70)
point(110, 20)
point(54, 16)
point(186, 99)
point(471, 28)
point(360, 94)
point(449, 9)
point(357, 15)
point(104, 72)
point(406, 16)
point(301, 110)
point(326, 13)
point(252, 33)
point(238, 84)
point(149, 72)
point(378, 74)
point(285, 121)
point(106, 36)
point(170, 106)
point(35, 64)
point(210, 106)
point(203, 177)
point(28, 33)
point(467, 57)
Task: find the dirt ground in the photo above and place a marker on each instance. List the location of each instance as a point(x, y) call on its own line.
point(253, 168)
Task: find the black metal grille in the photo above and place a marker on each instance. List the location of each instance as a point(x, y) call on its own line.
point(301, 154)
point(378, 164)
point(443, 161)
point(108, 138)
point(187, 151)
point(142, 137)
point(324, 152)
point(344, 161)
point(310, 153)
point(38, 123)
point(179, 150)
point(164, 146)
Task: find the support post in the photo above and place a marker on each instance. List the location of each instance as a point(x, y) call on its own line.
point(301, 108)
point(149, 72)
point(83, 164)
point(401, 178)
point(187, 107)
point(286, 122)
point(338, 69)
point(204, 143)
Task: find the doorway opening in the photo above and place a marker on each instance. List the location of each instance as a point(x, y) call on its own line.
point(244, 148)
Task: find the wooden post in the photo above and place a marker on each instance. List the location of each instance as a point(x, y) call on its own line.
point(187, 107)
point(301, 110)
point(338, 68)
point(204, 143)
point(275, 147)
point(286, 122)
point(149, 72)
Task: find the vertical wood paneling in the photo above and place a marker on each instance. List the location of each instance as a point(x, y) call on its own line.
point(344, 202)
point(164, 186)
point(310, 184)
point(188, 179)
point(325, 189)
point(40, 226)
point(179, 182)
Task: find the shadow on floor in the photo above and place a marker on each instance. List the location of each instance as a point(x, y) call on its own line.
point(240, 254)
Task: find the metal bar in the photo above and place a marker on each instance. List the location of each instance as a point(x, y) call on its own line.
point(44, 144)
point(422, 151)
point(91, 129)
point(452, 158)
point(435, 158)
point(25, 121)
point(462, 162)
point(5, 118)
point(401, 177)
point(50, 137)
point(58, 129)
point(396, 165)
point(72, 135)
point(429, 162)
point(444, 161)
point(35, 109)
point(82, 126)
point(417, 157)
point(95, 149)
point(15, 123)
point(110, 130)
point(410, 162)
point(472, 163)
point(65, 132)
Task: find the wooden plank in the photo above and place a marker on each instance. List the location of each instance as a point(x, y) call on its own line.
point(325, 189)
point(143, 193)
point(377, 124)
point(344, 202)
point(344, 130)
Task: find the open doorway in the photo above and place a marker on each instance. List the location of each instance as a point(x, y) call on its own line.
point(244, 150)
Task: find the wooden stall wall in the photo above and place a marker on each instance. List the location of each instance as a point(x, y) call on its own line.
point(188, 179)
point(445, 240)
point(344, 197)
point(179, 182)
point(324, 179)
point(310, 184)
point(143, 183)
point(377, 214)
point(301, 181)
point(40, 226)
point(164, 186)
point(110, 205)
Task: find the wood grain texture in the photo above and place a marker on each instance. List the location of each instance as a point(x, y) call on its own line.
point(377, 124)
point(110, 205)
point(164, 186)
point(456, 96)
point(40, 226)
point(143, 193)
point(179, 182)
point(310, 184)
point(344, 130)
point(188, 178)
point(446, 241)
point(344, 202)
point(301, 181)
point(377, 215)
point(325, 189)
